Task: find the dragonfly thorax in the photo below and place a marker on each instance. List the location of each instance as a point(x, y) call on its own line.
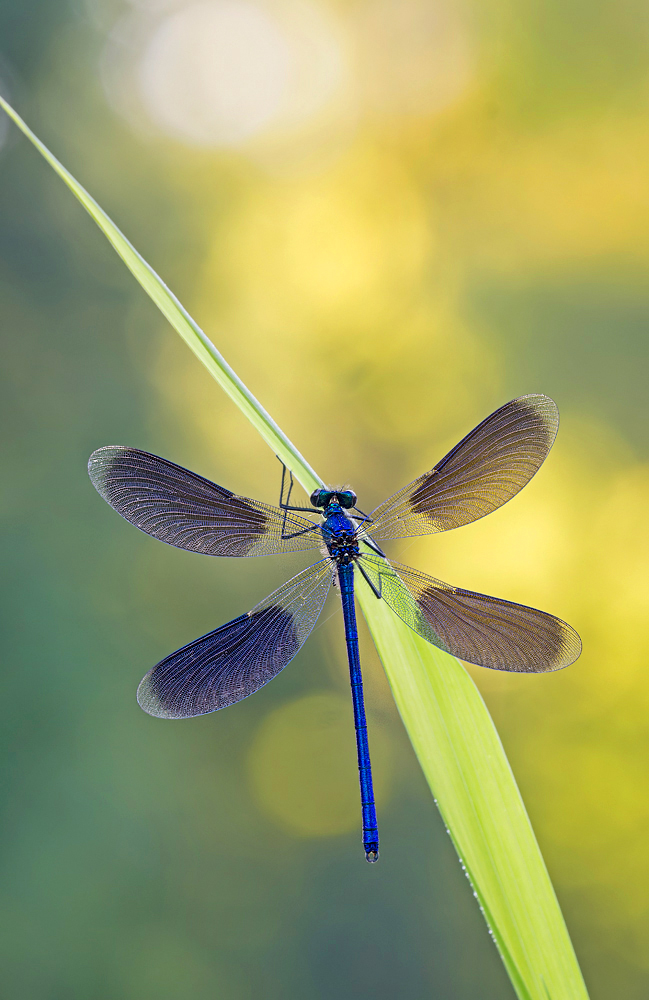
point(339, 534)
point(343, 549)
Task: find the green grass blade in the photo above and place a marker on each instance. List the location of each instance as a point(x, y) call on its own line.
point(467, 770)
point(442, 710)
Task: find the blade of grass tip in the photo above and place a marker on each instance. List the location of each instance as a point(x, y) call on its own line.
point(466, 767)
point(446, 719)
point(180, 319)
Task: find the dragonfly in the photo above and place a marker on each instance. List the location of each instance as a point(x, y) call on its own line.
point(486, 469)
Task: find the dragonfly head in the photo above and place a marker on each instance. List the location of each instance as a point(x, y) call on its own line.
point(342, 498)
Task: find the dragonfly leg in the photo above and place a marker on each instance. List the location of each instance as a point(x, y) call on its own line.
point(303, 531)
point(284, 504)
point(376, 590)
point(285, 507)
point(372, 545)
point(281, 498)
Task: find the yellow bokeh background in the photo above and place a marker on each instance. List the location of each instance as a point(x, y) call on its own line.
point(299, 767)
point(446, 206)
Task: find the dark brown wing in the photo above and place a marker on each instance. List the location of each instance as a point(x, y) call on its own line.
point(485, 470)
point(479, 629)
point(237, 659)
point(185, 510)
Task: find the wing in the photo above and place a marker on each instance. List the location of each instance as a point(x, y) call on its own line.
point(234, 661)
point(485, 470)
point(476, 628)
point(190, 512)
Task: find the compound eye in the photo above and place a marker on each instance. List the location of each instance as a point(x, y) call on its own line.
point(320, 498)
point(347, 499)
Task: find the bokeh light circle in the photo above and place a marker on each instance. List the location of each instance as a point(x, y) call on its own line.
point(303, 770)
point(215, 73)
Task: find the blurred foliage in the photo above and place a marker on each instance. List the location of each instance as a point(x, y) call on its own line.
point(415, 266)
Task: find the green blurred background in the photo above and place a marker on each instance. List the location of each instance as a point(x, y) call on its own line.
point(391, 217)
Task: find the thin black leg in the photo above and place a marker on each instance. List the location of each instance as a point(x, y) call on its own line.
point(372, 545)
point(306, 510)
point(284, 504)
point(303, 531)
point(376, 590)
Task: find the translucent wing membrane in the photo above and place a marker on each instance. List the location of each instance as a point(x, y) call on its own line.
point(190, 512)
point(479, 629)
point(485, 470)
point(237, 659)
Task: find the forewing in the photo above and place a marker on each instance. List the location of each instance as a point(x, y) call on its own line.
point(237, 659)
point(483, 630)
point(485, 470)
point(185, 510)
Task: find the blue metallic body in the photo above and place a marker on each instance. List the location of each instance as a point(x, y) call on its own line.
point(339, 534)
